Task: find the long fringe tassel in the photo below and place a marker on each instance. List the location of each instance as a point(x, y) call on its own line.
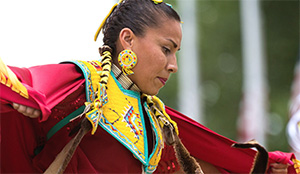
point(170, 133)
point(186, 161)
point(261, 159)
point(63, 158)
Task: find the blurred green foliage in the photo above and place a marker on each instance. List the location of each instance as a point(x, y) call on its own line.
point(221, 64)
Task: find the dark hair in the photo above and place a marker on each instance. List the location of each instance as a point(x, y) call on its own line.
point(135, 15)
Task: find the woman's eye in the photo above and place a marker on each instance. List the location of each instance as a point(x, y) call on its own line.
point(166, 50)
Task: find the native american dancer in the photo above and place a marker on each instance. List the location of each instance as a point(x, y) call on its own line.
point(103, 116)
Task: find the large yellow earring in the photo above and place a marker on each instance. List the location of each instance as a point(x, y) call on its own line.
point(127, 60)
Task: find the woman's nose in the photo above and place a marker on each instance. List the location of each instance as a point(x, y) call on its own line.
point(172, 64)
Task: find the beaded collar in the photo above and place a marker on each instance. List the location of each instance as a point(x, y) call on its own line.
point(123, 117)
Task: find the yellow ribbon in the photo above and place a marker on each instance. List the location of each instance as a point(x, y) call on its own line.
point(111, 10)
point(8, 78)
point(104, 20)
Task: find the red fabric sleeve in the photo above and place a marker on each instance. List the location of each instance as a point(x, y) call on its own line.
point(47, 85)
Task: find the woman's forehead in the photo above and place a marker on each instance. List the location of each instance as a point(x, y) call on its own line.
point(167, 29)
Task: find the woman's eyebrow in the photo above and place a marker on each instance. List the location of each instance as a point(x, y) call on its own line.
point(174, 44)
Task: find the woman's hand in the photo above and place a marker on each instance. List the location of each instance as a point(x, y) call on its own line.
point(279, 168)
point(27, 111)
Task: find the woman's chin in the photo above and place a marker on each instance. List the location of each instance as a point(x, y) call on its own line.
point(152, 92)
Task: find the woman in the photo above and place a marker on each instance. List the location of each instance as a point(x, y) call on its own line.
point(152, 30)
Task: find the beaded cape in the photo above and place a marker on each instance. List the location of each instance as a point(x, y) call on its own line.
point(122, 116)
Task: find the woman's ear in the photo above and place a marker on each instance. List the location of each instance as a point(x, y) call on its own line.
point(126, 37)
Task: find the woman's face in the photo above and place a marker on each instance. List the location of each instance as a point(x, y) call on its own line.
point(156, 54)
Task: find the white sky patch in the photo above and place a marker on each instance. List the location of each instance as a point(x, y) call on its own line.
point(35, 32)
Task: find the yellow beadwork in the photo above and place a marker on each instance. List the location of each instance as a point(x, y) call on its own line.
point(123, 119)
point(8, 78)
point(127, 60)
point(94, 75)
point(99, 83)
point(99, 80)
point(97, 101)
point(120, 112)
point(97, 108)
point(115, 110)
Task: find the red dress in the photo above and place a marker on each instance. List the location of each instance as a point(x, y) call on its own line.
point(58, 90)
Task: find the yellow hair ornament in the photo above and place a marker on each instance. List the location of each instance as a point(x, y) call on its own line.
point(157, 1)
point(104, 20)
point(8, 78)
point(111, 10)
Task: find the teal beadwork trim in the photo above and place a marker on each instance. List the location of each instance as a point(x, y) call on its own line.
point(58, 126)
point(64, 121)
point(87, 75)
point(157, 141)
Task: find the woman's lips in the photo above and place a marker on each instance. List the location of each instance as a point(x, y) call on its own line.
point(163, 80)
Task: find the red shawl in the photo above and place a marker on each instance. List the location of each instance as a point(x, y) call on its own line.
point(50, 84)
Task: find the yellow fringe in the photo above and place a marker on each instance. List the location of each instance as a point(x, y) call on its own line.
point(159, 105)
point(9, 79)
point(296, 165)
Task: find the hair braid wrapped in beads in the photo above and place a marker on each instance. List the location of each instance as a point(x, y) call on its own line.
point(170, 133)
point(106, 61)
point(94, 108)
